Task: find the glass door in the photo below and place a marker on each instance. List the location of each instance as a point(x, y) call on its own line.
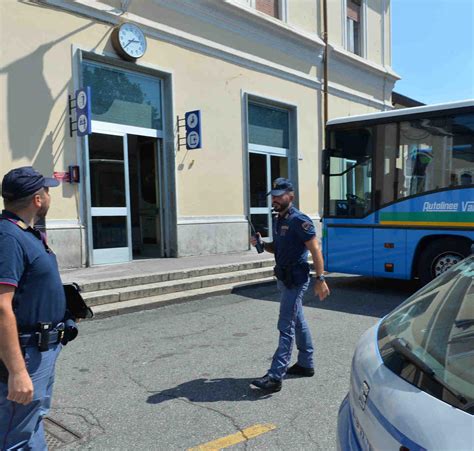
point(264, 168)
point(109, 218)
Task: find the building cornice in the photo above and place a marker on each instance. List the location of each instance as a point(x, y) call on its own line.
point(355, 96)
point(108, 14)
point(356, 60)
point(276, 25)
point(229, 16)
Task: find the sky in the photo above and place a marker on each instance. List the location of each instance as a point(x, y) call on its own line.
point(433, 49)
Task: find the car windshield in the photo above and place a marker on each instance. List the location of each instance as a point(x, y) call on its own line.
point(437, 323)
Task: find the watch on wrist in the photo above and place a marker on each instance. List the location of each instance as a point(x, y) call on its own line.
point(320, 278)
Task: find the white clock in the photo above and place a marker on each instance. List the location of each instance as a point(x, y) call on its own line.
point(129, 41)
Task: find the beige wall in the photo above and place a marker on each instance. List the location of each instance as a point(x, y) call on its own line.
point(38, 76)
point(218, 168)
point(388, 34)
point(303, 14)
point(374, 31)
point(342, 107)
point(35, 82)
point(335, 21)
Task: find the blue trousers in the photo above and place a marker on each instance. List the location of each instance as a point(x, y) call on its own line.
point(21, 427)
point(292, 325)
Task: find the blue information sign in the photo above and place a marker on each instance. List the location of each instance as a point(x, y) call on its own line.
point(193, 130)
point(83, 111)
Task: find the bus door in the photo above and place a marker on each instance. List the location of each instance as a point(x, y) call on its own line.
point(349, 226)
point(349, 250)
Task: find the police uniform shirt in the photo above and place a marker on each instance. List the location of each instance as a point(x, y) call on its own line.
point(28, 264)
point(290, 233)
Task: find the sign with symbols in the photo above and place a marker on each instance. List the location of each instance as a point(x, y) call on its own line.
point(83, 111)
point(193, 130)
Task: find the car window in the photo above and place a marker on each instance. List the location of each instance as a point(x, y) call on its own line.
point(437, 323)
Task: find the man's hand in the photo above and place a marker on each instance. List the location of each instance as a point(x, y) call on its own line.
point(20, 388)
point(253, 239)
point(321, 289)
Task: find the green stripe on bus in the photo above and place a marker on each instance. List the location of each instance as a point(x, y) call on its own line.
point(428, 217)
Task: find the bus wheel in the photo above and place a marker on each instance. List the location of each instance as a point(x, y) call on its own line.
point(439, 256)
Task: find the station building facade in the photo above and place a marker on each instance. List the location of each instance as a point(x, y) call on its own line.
point(253, 68)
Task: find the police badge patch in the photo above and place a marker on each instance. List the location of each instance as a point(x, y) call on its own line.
point(284, 229)
point(306, 226)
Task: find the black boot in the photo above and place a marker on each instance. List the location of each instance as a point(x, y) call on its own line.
point(267, 383)
point(298, 370)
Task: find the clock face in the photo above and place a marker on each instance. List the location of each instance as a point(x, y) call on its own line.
point(132, 41)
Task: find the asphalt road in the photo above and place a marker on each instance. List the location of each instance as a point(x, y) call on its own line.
point(178, 377)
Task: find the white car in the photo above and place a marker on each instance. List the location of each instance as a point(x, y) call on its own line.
point(412, 375)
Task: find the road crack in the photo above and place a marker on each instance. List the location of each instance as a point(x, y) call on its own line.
point(92, 424)
point(211, 409)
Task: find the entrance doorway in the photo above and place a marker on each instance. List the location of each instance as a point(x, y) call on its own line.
point(125, 195)
point(269, 158)
point(145, 200)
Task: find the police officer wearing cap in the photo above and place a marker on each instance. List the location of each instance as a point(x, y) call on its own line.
point(32, 310)
point(294, 237)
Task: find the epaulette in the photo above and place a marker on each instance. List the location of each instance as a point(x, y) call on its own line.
point(18, 222)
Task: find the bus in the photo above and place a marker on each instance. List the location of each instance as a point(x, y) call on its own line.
point(399, 191)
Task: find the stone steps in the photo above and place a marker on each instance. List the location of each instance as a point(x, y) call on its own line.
point(177, 285)
point(152, 302)
point(175, 275)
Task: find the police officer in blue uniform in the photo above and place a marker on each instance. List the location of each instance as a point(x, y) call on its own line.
point(32, 308)
point(294, 237)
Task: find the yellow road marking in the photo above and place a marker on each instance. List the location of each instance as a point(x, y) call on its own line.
point(239, 437)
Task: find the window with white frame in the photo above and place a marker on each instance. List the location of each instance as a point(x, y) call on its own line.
point(354, 26)
point(268, 131)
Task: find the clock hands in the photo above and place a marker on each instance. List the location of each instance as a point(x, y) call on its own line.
point(129, 42)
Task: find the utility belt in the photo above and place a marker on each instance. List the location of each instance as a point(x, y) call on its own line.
point(47, 335)
point(44, 334)
point(285, 274)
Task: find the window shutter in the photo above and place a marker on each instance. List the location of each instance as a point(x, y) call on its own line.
point(353, 10)
point(269, 7)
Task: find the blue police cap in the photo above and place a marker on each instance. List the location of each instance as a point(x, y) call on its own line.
point(22, 182)
point(281, 186)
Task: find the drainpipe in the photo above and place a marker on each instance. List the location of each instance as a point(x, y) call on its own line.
point(384, 6)
point(325, 75)
point(325, 93)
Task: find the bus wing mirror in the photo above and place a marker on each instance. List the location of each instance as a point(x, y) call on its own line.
point(325, 158)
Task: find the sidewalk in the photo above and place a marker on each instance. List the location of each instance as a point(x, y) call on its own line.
point(144, 267)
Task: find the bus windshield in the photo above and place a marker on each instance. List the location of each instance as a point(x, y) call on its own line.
point(372, 166)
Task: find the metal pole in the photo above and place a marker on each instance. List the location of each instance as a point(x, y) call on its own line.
point(325, 85)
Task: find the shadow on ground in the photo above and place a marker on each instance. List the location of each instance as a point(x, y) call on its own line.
point(211, 390)
point(349, 294)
